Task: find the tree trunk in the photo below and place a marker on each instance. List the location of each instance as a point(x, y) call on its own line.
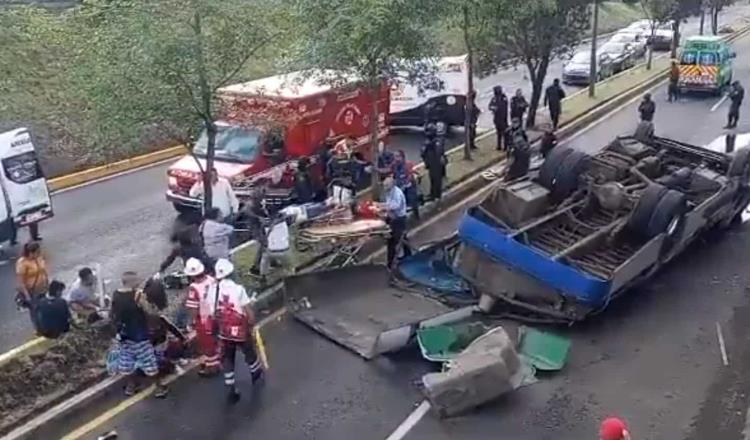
point(714, 20)
point(210, 127)
point(206, 95)
point(594, 35)
point(675, 38)
point(375, 175)
point(650, 48)
point(537, 83)
point(468, 107)
point(703, 19)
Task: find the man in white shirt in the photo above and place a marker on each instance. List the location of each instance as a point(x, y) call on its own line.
point(278, 249)
point(222, 193)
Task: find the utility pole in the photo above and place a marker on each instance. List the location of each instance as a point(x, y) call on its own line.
point(594, 36)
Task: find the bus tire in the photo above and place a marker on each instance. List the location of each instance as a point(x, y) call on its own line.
point(548, 170)
point(566, 177)
point(740, 165)
point(641, 216)
point(668, 215)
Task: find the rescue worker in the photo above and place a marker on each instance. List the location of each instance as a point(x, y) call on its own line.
point(520, 151)
point(393, 208)
point(403, 174)
point(222, 194)
point(553, 97)
point(736, 95)
point(236, 320)
point(647, 108)
point(499, 108)
point(518, 106)
point(433, 155)
point(341, 169)
point(304, 187)
point(674, 79)
point(201, 304)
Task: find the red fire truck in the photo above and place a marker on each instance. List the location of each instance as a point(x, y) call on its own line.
point(294, 108)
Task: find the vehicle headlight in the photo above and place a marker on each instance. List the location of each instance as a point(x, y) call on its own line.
point(172, 181)
point(451, 100)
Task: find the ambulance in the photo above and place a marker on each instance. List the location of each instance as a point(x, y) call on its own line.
point(293, 111)
point(409, 101)
point(705, 64)
point(26, 198)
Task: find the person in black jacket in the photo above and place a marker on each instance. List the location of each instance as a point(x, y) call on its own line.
point(647, 108)
point(553, 97)
point(520, 151)
point(499, 108)
point(736, 95)
point(52, 314)
point(304, 187)
point(518, 106)
point(433, 155)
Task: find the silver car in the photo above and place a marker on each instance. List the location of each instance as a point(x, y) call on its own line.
point(620, 56)
point(576, 70)
point(636, 39)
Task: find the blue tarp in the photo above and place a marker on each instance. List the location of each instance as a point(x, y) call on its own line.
point(498, 245)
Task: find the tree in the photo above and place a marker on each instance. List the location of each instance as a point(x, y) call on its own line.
point(375, 41)
point(715, 7)
point(533, 32)
point(186, 51)
point(467, 17)
point(658, 12)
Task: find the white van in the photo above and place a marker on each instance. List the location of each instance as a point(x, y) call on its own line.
point(26, 198)
point(408, 103)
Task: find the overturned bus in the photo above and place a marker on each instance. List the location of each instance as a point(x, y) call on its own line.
point(561, 244)
point(552, 247)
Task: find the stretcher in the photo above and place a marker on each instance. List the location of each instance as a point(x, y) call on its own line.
point(336, 229)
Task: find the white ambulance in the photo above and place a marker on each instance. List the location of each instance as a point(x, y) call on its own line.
point(26, 198)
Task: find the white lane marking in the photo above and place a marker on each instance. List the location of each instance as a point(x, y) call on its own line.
point(722, 347)
point(745, 215)
point(746, 431)
point(718, 103)
point(410, 422)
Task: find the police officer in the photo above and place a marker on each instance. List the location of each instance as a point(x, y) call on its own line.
point(499, 108)
point(433, 155)
point(736, 95)
point(553, 97)
point(520, 151)
point(647, 108)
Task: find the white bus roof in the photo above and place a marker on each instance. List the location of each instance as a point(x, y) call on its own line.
point(288, 85)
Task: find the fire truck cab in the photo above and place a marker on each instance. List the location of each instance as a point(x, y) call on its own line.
point(267, 125)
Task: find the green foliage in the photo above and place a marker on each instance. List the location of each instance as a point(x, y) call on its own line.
point(371, 39)
point(531, 33)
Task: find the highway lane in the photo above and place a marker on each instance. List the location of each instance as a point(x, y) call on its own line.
point(652, 357)
point(123, 223)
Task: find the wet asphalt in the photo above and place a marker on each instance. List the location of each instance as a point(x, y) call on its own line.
point(123, 223)
point(652, 358)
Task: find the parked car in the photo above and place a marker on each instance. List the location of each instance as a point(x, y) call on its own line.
point(620, 56)
point(636, 39)
point(662, 38)
point(577, 70)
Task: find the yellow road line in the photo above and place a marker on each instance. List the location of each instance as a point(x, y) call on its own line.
point(115, 411)
point(10, 354)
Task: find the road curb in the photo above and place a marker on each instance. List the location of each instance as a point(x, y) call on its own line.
point(110, 170)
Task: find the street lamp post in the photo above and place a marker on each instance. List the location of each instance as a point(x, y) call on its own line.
point(594, 36)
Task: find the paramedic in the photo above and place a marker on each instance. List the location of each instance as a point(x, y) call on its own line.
point(342, 174)
point(201, 303)
point(394, 210)
point(236, 321)
point(222, 194)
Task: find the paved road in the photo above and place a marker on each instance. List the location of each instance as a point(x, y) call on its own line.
point(652, 358)
point(123, 223)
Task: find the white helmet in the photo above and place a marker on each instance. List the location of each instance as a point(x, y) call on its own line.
point(194, 267)
point(224, 268)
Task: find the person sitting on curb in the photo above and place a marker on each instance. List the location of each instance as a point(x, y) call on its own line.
point(52, 314)
point(81, 297)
